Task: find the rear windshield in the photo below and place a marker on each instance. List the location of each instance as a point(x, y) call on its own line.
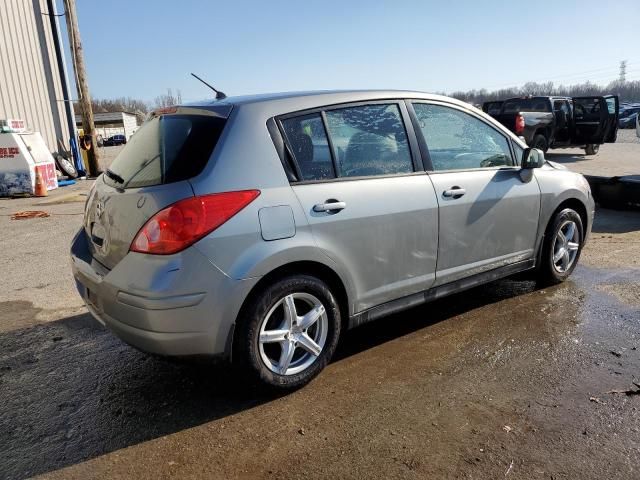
point(526, 105)
point(165, 149)
point(493, 108)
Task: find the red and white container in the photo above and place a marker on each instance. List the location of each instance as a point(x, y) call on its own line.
point(20, 155)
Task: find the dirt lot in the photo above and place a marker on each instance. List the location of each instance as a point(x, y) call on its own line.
point(505, 380)
point(620, 158)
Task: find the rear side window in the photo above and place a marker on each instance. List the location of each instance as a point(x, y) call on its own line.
point(308, 141)
point(366, 140)
point(166, 149)
point(369, 140)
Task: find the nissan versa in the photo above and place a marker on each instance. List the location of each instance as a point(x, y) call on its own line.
point(260, 228)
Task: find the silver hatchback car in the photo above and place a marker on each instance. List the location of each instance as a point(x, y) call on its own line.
point(259, 228)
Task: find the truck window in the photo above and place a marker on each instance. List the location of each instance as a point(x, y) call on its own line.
point(526, 105)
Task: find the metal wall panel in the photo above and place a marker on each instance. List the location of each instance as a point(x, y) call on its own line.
point(30, 86)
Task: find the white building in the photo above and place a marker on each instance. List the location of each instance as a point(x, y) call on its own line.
point(113, 123)
point(33, 85)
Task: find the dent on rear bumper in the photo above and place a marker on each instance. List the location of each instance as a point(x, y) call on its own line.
point(175, 304)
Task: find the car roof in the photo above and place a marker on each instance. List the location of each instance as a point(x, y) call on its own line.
point(325, 97)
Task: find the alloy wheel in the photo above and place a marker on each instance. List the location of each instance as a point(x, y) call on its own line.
point(565, 246)
point(293, 333)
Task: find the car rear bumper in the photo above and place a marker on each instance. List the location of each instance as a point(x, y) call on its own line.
point(174, 305)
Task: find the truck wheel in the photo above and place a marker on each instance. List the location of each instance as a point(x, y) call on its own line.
point(591, 149)
point(540, 142)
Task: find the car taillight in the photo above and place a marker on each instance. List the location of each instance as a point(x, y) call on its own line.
point(176, 227)
point(519, 124)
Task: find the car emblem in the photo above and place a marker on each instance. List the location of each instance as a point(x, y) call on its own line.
point(99, 209)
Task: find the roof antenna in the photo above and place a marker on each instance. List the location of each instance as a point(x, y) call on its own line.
point(219, 95)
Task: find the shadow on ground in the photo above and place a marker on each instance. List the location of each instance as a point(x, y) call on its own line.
point(71, 391)
point(565, 157)
point(616, 221)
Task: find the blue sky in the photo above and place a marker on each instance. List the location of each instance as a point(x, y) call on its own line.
point(139, 48)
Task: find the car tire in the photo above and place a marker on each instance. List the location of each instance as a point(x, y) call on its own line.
point(591, 149)
point(260, 347)
point(559, 258)
point(540, 142)
point(66, 166)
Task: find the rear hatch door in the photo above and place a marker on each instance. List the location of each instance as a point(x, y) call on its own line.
point(150, 173)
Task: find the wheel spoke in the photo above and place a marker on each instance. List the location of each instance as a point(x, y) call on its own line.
point(309, 345)
point(273, 336)
point(573, 246)
point(558, 255)
point(290, 313)
point(311, 317)
point(562, 238)
point(571, 231)
point(566, 260)
point(285, 357)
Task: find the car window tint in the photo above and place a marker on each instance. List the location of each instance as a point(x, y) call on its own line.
point(369, 140)
point(308, 141)
point(457, 140)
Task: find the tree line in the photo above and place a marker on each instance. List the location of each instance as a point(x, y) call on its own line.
point(133, 105)
point(627, 91)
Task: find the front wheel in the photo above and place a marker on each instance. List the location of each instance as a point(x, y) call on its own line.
point(561, 248)
point(591, 149)
point(288, 332)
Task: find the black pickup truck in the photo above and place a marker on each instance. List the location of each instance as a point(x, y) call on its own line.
point(559, 122)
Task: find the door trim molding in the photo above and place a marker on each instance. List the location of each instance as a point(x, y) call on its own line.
point(410, 301)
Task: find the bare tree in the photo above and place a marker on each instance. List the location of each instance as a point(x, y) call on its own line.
point(628, 91)
point(168, 99)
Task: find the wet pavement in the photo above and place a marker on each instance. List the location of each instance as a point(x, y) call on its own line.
point(503, 380)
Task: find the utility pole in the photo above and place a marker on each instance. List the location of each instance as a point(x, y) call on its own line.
point(82, 85)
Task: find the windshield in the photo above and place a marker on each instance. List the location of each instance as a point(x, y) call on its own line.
point(166, 149)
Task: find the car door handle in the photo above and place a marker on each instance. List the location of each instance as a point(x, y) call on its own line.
point(329, 206)
point(454, 192)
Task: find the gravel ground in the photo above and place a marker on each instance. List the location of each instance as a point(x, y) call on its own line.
point(505, 380)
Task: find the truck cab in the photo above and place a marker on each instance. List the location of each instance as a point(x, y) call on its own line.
point(559, 122)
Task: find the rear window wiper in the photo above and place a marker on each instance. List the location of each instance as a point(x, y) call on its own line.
point(114, 176)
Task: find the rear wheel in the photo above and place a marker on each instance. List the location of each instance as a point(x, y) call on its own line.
point(591, 149)
point(288, 332)
point(562, 246)
point(540, 142)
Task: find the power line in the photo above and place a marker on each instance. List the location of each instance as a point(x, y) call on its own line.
point(602, 71)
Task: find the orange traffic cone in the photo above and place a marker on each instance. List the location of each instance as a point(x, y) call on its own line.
point(41, 188)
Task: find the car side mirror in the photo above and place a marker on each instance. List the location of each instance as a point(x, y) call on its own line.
point(532, 158)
